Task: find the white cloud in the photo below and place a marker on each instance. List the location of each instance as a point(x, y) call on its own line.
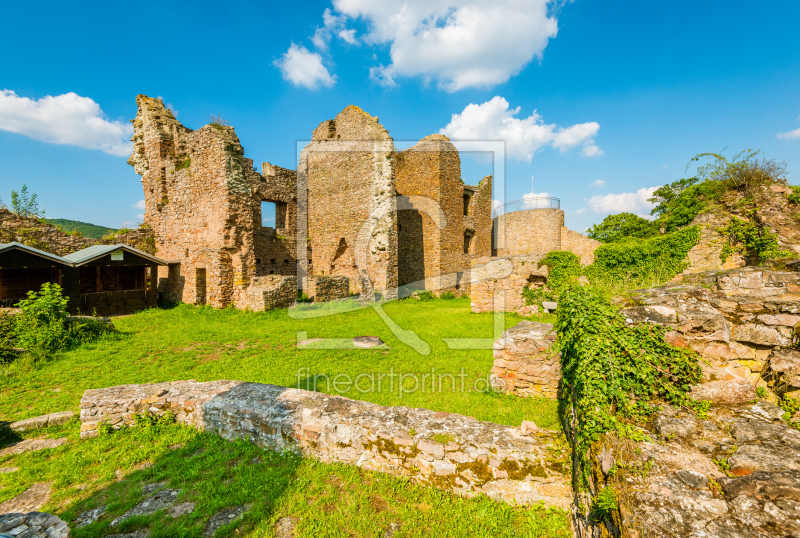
point(493, 120)
point(458, 43)
point(129, 224)
point(139, 204)
point(333, 25)
point(140, 216)
point(791, 135)
point(496, 204)
point(599, 183)
point(591, 150)
point(64, 119)
point(631, 202)
point(580, 211)
point(304, 68)
point(535, 200)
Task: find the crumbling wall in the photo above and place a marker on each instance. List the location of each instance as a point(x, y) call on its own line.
point(348, 170)
point(327, 288)
point(479, 218)
point(579, 244)
point(497, 283)
point(449, 451)
point(201, 201)
point(525, 363)
point(275, 247)
point(431, 215)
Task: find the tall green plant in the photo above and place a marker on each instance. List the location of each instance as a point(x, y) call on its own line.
point(41, 326)
point(25, 203)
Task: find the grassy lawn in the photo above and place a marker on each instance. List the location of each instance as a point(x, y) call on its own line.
point(188, 342)
point(201, 343)
point(322, 499)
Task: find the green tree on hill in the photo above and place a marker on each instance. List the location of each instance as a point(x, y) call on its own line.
point(616, 228)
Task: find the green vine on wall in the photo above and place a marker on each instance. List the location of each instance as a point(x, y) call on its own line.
point(615, 375)
point(751, 240)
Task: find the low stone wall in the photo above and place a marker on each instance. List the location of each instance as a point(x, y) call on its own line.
point(268, 292)
point(497, 283)
point(524, 363)
point(327, 288)
point(452, 452)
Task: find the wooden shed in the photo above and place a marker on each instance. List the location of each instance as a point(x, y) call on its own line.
point(24, 268)
point(112, 279)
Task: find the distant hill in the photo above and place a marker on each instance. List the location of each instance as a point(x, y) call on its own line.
point(86, 229)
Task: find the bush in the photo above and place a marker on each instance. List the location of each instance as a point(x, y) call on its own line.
point(7, 353)
point(447, 295)
point(752, 241)
point(41, 326)
point(648, 261)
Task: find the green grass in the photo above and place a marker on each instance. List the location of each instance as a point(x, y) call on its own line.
point(86, 229)
point(201, 343)
point(324, 499)
point(205, 344)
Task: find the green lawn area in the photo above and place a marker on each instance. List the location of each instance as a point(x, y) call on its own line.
point(201, 343)
point(323, 499)
point(205, 344)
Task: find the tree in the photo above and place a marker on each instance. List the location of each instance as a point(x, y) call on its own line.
point(25, 204)
point(616, 228)
point(745, 171)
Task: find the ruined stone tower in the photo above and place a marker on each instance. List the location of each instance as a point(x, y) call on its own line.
point(352, 221)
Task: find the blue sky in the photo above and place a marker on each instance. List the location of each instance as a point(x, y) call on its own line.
point(624, 93)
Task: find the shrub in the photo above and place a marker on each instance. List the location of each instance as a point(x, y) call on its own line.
point(745, 172)
point(7, 353)
point(752, 241)
point(41, 326)
point(447, 295)
point(648, 261)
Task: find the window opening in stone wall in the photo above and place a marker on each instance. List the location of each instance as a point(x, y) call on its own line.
point(467, 198)
point(468, 235)
point(268, 211)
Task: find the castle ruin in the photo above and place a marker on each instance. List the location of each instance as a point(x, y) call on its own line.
point(357, 217)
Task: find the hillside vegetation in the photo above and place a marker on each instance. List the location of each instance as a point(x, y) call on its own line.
point(86, 229)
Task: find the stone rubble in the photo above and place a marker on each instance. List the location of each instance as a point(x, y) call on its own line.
point(671, 484)
point(33, 525)
point(31, 445)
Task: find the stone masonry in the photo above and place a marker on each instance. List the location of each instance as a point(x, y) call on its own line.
point(442, 223)
point(497, 283)
point(449, 451)
point(337, 216)
point(524, 362)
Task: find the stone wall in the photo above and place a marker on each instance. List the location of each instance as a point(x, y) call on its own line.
point(524, 363)
point(327, 288)
point(497, 283)
point(349, 174)
point(740, 320)
point(528, 232)
point(39, 234)
point(449, 451)
point(579, 244)
point(442, 223)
